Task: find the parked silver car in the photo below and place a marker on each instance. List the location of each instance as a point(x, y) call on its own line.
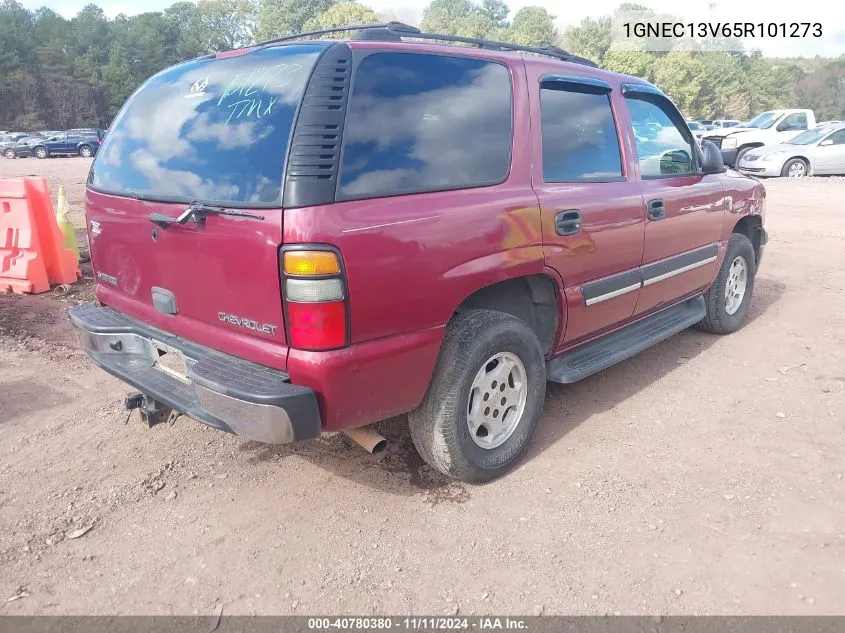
point(818, 151)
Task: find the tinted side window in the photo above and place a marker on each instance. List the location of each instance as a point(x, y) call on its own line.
point(419, 122)
point(580, 143)
point(662, 148)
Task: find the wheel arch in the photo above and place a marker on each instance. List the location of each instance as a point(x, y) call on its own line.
point(535, 299)
point(751, 227)
point(801, 157)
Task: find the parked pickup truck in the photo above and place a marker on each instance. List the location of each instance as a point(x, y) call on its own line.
point(312, 236)
point(769, 128)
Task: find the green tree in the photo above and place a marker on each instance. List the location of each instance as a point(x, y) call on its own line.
point(277, 18)
point(342, 14)
point(194, 38)
point(228, 23)
point(447, 16)
point(823, 90)
point(590, 39)
point(533, 26)
point(496, 13)
point(118, 80)
point(771, 83)
point(16, 29)
point(681, 75)
point(489, 20)
point(635, 63)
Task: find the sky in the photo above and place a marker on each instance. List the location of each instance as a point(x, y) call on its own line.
point(831, 44)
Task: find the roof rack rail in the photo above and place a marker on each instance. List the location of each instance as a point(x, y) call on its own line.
point(405, 30)
point(396, 27)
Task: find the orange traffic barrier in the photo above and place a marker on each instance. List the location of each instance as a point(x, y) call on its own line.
point(32, 251)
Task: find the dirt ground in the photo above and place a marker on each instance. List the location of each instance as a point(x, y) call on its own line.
point(704, 476)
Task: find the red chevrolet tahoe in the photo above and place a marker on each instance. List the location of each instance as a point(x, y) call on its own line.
point(308, 236)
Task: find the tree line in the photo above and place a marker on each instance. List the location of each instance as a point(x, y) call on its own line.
point(57, 73)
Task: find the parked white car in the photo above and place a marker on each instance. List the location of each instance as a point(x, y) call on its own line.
point(769, 128)
point(816, 152)
point(698, 130)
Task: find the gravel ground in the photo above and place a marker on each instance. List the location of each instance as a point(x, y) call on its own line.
point(704, 476)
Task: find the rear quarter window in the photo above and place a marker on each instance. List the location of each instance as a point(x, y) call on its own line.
point(212, 129)
point(422, 122)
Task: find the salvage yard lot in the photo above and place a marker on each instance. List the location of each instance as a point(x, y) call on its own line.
point(703, 476)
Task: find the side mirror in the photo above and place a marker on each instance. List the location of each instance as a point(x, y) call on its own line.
point(711, 159)
point(827, 141)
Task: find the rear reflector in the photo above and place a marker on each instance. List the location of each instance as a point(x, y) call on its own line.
point(313, 290)
point(311, 263)
point(316, 326)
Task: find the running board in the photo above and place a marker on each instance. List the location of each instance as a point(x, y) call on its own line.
point(621, 344)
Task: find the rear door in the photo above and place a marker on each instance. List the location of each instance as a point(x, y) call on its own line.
point(684, 208)
point(591, 211)
point(215, 131)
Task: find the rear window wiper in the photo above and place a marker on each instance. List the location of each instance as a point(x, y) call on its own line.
point(196, 212)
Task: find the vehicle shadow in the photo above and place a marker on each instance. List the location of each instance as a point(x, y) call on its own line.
point(399, 470)
point(567, 406)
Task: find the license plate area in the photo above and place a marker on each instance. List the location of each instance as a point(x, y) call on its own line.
point(170, 361)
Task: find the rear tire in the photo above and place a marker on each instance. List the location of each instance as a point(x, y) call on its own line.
point(41, 152)
point(485, 397)
point(86, 152)
point(729, 297)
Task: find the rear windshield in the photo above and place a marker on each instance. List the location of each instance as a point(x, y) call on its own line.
point(212, 130)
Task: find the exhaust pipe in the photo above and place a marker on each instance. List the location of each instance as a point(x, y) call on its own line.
point(368, 439)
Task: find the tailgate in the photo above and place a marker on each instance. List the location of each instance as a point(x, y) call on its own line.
point(215, 281)
point(212, 133)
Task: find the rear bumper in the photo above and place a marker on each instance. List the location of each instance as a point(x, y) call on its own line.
point(222, 391)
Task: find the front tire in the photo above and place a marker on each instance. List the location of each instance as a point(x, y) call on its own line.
point(729, 297)
point(10, 154)
point(794, 168)
point(740, 154)
point(485, 397)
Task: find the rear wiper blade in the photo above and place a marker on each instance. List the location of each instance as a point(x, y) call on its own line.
point(196, 212)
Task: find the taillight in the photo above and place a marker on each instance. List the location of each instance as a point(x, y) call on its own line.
point(314, 292)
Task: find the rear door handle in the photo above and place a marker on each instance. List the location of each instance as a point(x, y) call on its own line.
point(656, 210)
point(568, 222)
